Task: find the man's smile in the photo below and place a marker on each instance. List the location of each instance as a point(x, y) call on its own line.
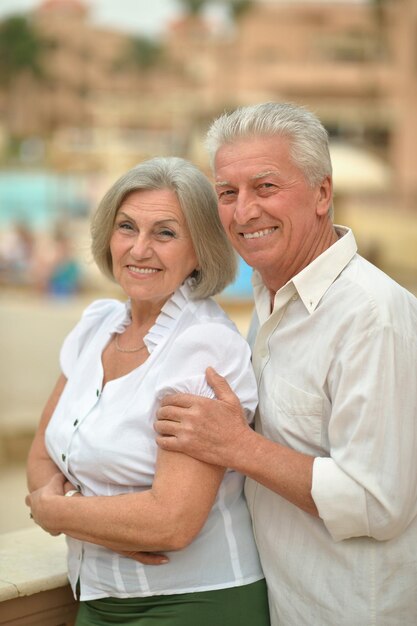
point(259, 233)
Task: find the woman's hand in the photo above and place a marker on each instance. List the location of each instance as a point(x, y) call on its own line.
point(41, 502)
point(69, 487)
point(146, 558)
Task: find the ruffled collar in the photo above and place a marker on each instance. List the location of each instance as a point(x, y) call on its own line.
point(165, 321)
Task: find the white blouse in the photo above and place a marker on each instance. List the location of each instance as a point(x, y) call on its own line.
point(102, 439)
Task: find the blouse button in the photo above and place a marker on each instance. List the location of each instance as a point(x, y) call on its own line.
point(63, 456)
point(76, 422)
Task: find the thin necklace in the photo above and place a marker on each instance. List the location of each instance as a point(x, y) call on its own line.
point(119, 349)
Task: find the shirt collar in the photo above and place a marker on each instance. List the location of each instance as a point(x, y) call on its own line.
point(169, 315)
point(165, 321)
point(314, 280)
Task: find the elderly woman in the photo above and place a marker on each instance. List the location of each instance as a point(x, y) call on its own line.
point(157, 234)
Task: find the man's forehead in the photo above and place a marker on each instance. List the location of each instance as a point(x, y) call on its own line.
point(256, 176)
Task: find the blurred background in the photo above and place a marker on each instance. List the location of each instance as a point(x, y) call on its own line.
point(88, 88)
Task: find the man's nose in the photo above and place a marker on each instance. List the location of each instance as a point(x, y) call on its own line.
point(246, 209)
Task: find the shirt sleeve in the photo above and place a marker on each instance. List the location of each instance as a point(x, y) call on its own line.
point(367, 486)
point(82, 333)
point(209, 345)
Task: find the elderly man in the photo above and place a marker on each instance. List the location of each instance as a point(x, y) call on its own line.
point(331, 467)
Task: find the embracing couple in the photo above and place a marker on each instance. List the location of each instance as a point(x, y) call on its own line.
point(162, 409)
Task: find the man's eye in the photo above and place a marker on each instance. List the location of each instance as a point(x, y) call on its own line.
point(225, 193)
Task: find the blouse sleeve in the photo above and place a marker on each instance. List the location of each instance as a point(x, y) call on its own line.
point(209, 345)
point(82, 333)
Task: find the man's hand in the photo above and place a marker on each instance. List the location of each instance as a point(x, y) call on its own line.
point(206, 429)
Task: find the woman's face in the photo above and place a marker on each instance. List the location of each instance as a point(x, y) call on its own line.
point(151, 247)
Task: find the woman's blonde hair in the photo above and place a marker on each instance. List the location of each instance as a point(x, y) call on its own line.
point(217, 262)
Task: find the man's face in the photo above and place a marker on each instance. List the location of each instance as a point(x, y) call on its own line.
point(273, 217)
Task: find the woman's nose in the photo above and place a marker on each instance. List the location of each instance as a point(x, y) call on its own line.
point(141, 247)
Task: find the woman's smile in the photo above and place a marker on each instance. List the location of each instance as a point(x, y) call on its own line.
point(151, 247)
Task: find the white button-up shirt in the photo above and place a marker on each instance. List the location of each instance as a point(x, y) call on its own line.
point(336, 368)
point(103, 440)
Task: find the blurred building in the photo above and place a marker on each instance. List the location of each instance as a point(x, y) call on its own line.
point(100, 106)
point(354, 64)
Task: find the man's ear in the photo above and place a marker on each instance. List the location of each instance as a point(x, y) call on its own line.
point(324, 196)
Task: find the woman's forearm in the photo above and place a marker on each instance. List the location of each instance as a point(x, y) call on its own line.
point(167, 516)
point(126, 522)
point(39, 469)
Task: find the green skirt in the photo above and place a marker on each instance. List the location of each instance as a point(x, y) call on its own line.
point(237, 606)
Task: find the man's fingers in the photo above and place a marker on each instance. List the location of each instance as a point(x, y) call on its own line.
point(166, 427)
point(220, 386)
point(168, 443)
point(183, 400)
point(169, 413)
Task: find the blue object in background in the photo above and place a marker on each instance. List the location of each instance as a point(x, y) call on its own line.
point(65, 279)
point(39, 199)
point(241, 288)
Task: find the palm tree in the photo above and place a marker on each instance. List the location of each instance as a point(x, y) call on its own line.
point(236, 7)
point(193, 7)
point(142, 53)
point(21, 67)
point(239, 7)
point(378, 7)
point(20, 50)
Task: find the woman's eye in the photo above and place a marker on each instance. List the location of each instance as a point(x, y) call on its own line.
point(166, 233)
point(124, 226)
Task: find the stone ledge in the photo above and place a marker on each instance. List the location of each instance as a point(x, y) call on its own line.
point(56, 607)
point(31, 561)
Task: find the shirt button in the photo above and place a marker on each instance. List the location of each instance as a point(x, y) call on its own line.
point(295, 297)
point(76, 422)
point(264, 353)
point(63, 456)
point(97, 392)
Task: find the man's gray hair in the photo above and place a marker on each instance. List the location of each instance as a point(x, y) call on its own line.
point(308, 138)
